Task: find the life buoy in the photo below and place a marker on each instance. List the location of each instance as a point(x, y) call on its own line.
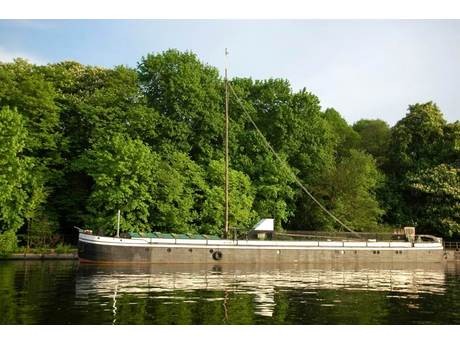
point(217, 255)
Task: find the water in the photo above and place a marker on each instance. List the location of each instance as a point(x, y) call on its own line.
point(66, 292)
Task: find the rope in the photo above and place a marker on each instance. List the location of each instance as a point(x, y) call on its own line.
point(286, 165)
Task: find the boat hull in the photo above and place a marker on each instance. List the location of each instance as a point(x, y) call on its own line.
point(110, 250)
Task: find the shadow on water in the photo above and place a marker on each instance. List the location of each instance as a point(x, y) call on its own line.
point(61, 292)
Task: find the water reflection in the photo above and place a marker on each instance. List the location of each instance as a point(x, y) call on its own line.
point(263, 283)
point(63, 292)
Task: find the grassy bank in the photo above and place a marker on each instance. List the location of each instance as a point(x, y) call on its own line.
point(59, 249)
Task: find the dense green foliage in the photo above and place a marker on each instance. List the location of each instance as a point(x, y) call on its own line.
point(423, 171)
point(12, 170)
point(350, 187)
point(80, 142)
point(374, 138)
point(8, 243)
point(438, 198)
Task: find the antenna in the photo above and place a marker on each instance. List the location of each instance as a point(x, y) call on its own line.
point(226, 147)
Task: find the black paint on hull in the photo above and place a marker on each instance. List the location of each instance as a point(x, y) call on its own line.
point(91, 252)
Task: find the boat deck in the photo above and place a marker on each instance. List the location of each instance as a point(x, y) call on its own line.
point(356, 244)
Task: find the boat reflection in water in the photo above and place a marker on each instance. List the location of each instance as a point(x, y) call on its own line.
point(161, 281)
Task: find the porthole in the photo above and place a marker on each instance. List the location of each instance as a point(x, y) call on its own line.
point(378, 251)
point(356, 252)
point(190, 250)
point(168, 250)
point(211, 250)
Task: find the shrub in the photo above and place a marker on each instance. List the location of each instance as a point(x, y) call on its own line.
point(8, 243)
point(64, 249)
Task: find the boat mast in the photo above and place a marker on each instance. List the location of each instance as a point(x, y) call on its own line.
point(226, 148)
point(118, 224)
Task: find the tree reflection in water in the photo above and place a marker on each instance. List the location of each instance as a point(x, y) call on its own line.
point(177, 283)
point(69, 293)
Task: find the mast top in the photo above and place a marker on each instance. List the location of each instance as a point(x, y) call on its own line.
point(226, 63)
point(226, 201)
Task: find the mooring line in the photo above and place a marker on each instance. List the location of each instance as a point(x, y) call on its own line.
point(287, 166)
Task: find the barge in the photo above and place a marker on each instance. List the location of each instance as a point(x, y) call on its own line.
point(182, 249)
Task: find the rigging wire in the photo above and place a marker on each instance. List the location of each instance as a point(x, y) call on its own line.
point(284, 163)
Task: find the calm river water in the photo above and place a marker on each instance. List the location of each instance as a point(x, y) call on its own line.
point(66, 292)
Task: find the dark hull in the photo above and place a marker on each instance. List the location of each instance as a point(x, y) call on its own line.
point(101, 253)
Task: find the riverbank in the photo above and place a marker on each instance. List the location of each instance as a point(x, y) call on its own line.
point(43, 256)
point(60, 252)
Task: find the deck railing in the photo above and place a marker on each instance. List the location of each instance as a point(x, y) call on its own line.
point(452, 246)
point(338, 236)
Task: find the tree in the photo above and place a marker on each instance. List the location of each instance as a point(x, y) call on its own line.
point(189, 97)
point(94, 103)
point(13, 170)
point(351, 188)
point(241, 197)
point(13, 199)
point(154, 191)
point(346, 137)
point(24, 88)
point(36, 210)
point(451, 145)
point(417, 139)
point(374, 139)
point(274, 193)
point(118, 107)
point(27, 91)
point(311, 159)
point(437, 199)
point(295, 127)
point(123, 171)
point(74, 84)
point(274, 190)
point(80, 142)
point(8, 243)
point(423, 156)
point(179, 193)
